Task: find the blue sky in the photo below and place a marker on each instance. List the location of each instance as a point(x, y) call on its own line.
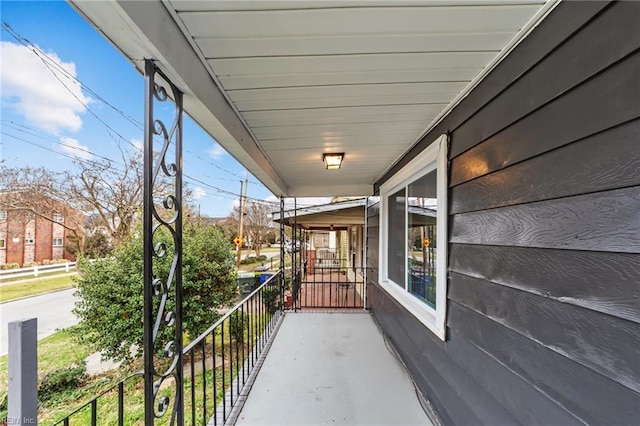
point(45, 120)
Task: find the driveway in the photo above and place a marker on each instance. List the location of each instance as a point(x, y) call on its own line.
point(53, 311)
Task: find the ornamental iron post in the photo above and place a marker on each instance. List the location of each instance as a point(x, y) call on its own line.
point(282, 236)
point(162, 233)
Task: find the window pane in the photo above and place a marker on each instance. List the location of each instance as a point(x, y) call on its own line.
point(421, 231)
point(397, 233)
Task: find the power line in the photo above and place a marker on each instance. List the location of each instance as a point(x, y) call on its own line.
point(227, 194)
point(49, 63)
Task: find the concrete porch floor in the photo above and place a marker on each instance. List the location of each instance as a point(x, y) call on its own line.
point(331, 369)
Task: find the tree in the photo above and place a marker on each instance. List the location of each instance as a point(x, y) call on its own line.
point(110, 191)
point(110, 290)
point(257, 223)
point(114, 194)
point(29, 193)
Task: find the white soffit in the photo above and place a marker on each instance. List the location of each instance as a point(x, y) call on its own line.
point(305, 77)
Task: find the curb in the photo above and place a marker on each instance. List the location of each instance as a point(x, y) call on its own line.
point(36, 295)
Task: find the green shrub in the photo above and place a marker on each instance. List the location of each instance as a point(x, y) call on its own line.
point(61, 380)
point(30, 264)
point(237, 326)
point(6, 266)
point(270, 298)
point(110, 290)
point(248, 260)
point(261, 258)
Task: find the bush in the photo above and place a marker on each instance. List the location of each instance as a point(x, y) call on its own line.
point(248, 260)
point(61, 380)
point(270, 296)
point(237, 326)
point(30, 264)
point(261, 258)
point(110, 291)
point(6, 266)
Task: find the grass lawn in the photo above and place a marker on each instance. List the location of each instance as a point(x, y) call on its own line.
point(61, 350)
point(57, 351)
point(5, 280)
point(31, 288)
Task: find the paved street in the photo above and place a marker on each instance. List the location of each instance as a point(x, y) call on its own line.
point(53, 311)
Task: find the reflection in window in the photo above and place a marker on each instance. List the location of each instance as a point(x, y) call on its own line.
point(421, 238)
point(397, 234)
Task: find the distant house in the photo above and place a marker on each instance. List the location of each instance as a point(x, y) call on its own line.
point(27, 237)
point(335, 231)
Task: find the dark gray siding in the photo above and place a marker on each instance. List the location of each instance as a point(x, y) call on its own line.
point(544, 264)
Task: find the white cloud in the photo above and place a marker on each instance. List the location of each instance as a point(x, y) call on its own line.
point(72, 147)
point(137, 144)
point(31, 89)
point(216, 151)
point(199, 193)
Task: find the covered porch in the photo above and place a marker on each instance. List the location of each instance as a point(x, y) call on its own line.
point(513, 123)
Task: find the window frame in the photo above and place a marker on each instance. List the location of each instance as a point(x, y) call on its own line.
point(3, 214)
point(28, 241)
point(56, 216)
point(3, 243)
point(61, 242)
point(434, 157)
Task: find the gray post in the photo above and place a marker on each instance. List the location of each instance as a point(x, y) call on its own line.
point(23, 372)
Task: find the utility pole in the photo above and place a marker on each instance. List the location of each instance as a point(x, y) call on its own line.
point(242, 207)
point(239, 246)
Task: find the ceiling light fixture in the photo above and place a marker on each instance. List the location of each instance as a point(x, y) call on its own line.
point(332, 161)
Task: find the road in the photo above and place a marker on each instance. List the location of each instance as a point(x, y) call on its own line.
point(53, 311)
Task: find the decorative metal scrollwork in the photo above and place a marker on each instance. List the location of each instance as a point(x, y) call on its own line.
point(162, 252)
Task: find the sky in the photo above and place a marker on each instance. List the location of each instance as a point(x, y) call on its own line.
point(78, 97)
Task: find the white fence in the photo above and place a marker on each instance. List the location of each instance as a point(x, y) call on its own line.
point(37, 270)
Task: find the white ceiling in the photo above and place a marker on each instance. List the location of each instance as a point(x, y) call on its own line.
point(278, 83)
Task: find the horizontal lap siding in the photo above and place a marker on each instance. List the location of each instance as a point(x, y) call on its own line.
point(544, 283)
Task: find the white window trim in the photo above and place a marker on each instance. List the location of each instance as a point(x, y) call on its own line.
point(432, 158)
point(29, 241)
point(3, 214)
point(58, 245)
point(4, 245)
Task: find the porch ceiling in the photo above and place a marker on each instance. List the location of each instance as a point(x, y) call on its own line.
point(279, 83)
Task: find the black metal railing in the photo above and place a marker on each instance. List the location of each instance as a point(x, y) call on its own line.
point(330, 287)
point(217, 366)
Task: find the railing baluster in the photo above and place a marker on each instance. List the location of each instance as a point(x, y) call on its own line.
point(215, 394)
point(224, 367)
point(193, 387)
point(204, 383)
point(121, 404)
point(252, 333)
point(242, 341)
point(237, 361)
point(230, 361)
point(94, 412)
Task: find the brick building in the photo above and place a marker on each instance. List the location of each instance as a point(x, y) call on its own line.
point(26, 237)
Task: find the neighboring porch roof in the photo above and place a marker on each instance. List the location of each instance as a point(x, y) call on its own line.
point(279, 83)
point(326, 216)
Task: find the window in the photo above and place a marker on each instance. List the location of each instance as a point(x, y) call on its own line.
point(413, 236)
point(3, 243)
point(57, 218)
point(3, 214)
point(29, 240)
point(57, 242)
